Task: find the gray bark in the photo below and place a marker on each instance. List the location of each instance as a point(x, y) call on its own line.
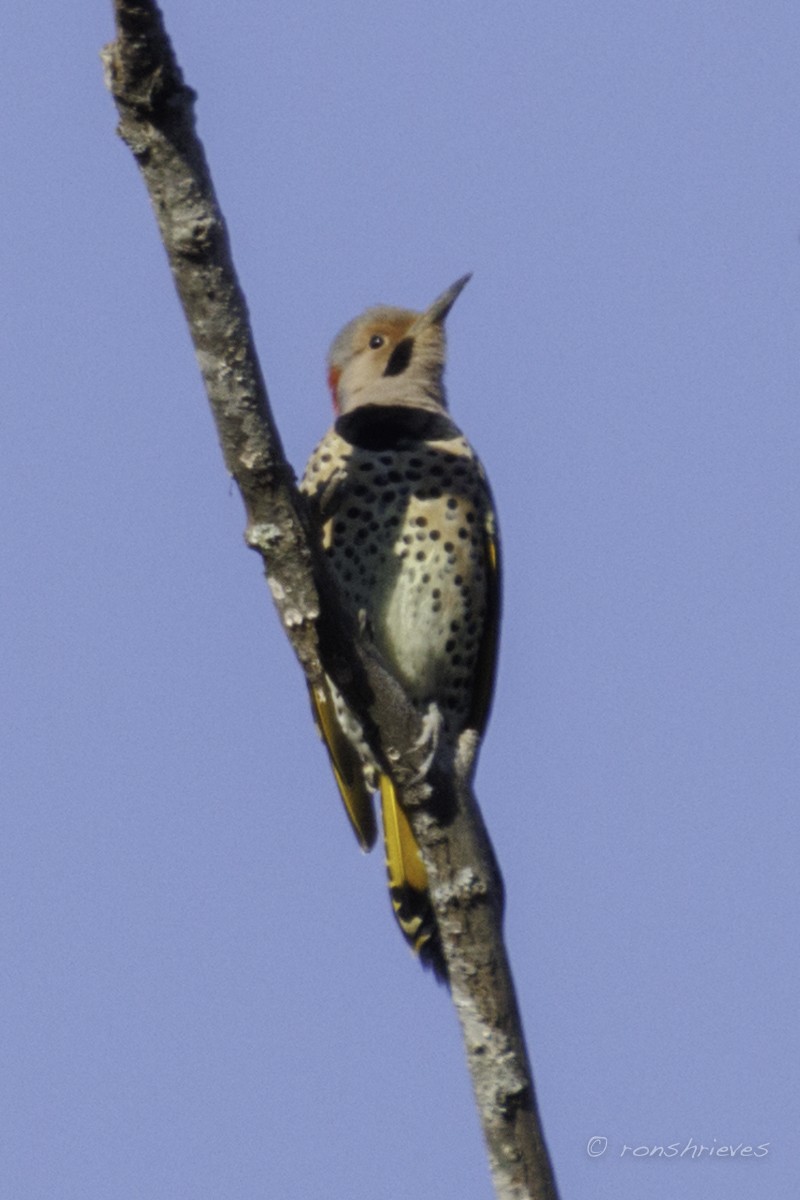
point(157, 123)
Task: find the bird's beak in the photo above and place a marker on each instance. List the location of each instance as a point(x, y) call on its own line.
point(441, 306)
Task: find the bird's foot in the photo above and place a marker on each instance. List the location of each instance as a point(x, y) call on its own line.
point(428, 740)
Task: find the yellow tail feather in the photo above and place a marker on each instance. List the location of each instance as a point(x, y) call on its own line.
point(408, 882)
point(403, 862)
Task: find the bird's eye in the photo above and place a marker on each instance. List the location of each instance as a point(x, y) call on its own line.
point(376, 341)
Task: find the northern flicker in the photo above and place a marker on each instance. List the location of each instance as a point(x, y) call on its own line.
point(404, 512)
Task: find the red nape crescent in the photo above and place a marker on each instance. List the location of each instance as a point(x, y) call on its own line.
point(333, 384)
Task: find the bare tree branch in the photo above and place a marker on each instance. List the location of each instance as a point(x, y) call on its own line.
point(157, 123)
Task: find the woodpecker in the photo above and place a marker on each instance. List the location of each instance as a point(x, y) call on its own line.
point(403, 510)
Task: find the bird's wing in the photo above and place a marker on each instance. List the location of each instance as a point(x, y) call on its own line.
point(487, 651)
point(347, 767)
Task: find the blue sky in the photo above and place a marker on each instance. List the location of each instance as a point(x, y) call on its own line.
point(203, 991)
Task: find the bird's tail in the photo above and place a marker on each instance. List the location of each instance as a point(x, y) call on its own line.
point(408, 884)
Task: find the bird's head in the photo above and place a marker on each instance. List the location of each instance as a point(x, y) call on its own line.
point(392, 356)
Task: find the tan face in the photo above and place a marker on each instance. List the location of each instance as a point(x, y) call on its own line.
point(362, 352)
point(392, 356)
